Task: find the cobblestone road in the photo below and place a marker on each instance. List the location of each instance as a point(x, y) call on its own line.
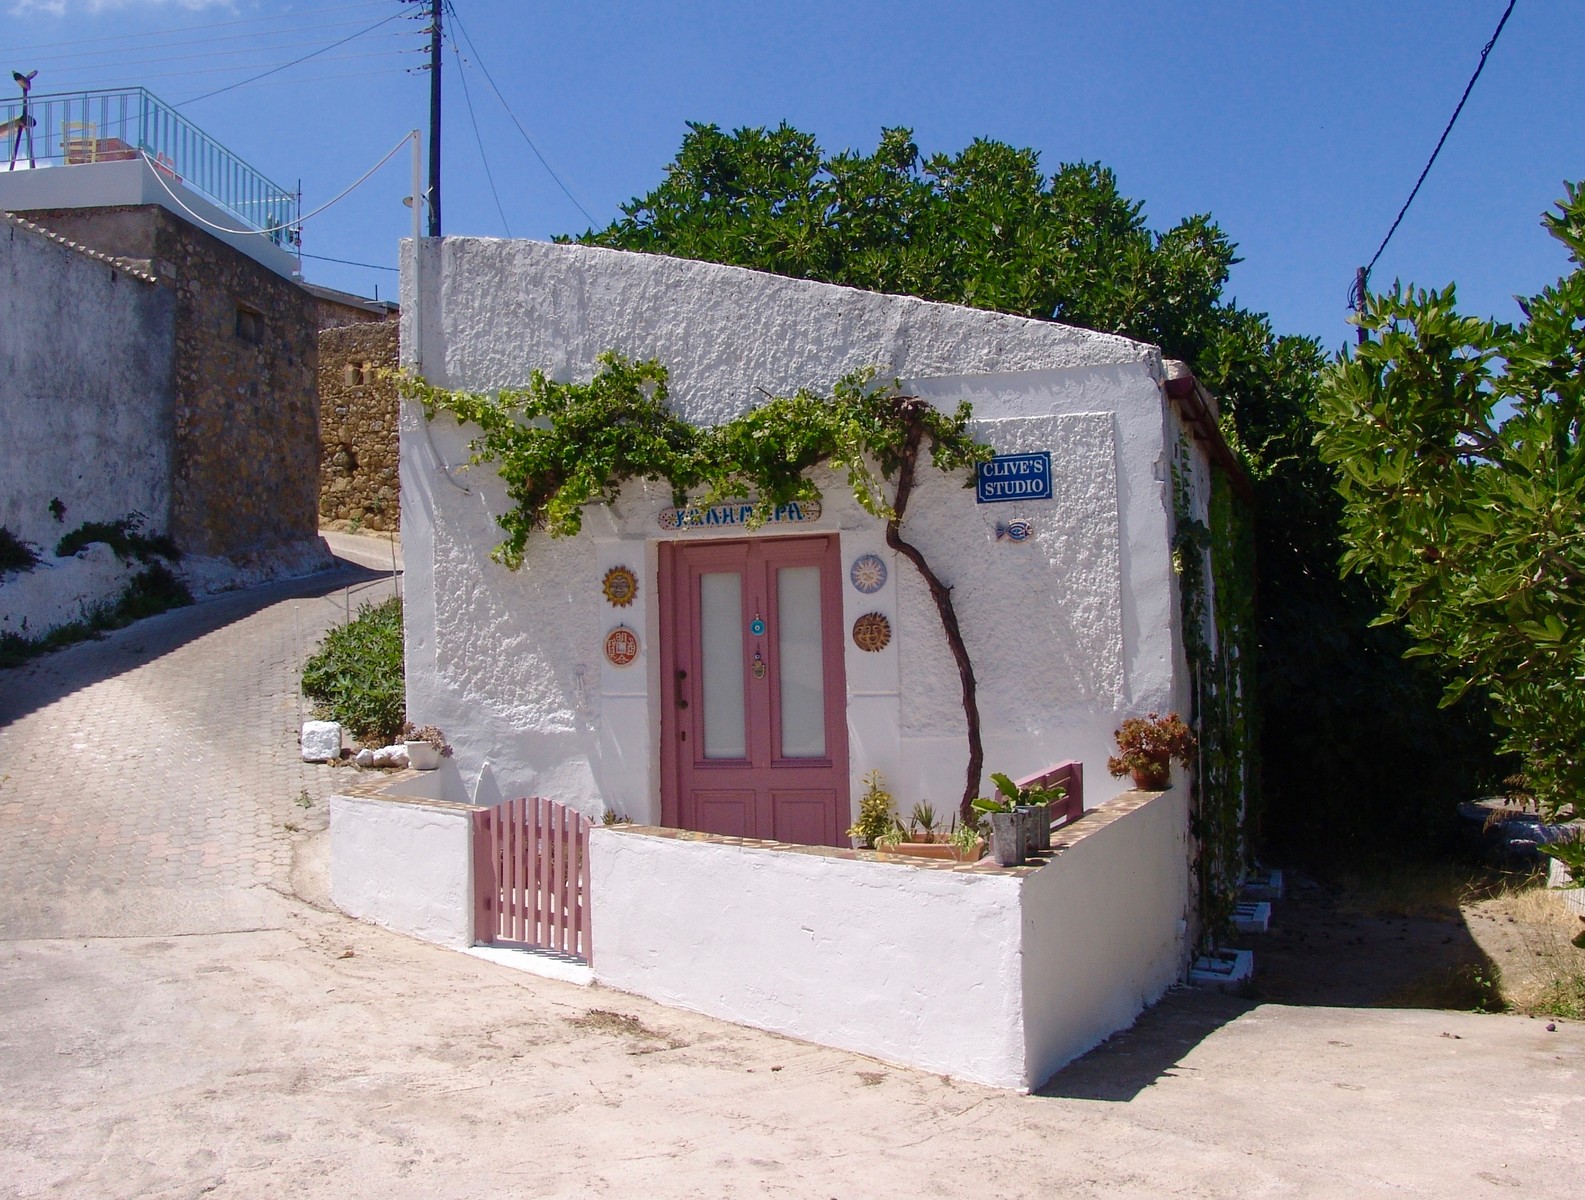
point(147, 781)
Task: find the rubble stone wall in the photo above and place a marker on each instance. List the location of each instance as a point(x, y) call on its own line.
point(245, 453)
point(358, 413)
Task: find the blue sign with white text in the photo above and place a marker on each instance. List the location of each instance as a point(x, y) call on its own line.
point(1014, 477)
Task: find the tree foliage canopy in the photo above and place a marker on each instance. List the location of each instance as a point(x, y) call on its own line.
point(1457, 446)
point(1342, 714)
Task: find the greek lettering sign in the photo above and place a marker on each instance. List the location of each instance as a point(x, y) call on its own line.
point(720, 516)
point(1014, 477)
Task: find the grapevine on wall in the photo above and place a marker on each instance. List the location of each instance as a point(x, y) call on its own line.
point(560, 447)
point(1215, 565)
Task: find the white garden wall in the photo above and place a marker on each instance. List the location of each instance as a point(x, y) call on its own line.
point(1069, 631)
point(994, 976)
point(406, 864)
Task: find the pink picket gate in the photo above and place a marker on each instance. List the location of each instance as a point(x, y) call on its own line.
point(531, 876)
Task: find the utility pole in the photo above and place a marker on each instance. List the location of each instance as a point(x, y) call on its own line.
point(435, 9)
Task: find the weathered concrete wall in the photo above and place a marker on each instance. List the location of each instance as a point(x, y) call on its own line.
point(86, 389)
point(358, 419)
point(1070, 630)
point(245, 466)
point(996, 976)
point(406, 865)
point(913, 965)
point(1106, 926)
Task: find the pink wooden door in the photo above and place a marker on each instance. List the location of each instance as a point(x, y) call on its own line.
point(754, 721)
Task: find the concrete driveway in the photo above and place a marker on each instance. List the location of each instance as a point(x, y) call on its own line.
point(184, 1016)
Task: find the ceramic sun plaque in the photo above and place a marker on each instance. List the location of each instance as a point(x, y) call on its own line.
point(620, 586)
point(868, 573)
point(872, 632)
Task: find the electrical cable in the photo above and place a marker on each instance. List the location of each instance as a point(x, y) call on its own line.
point(145, 76)
point(296, 32)
point(472, 49)
point(272, 54)
point(202, 220)
point(347, 262)
point(1479, 67)
point(384, 21)
point(462, 77)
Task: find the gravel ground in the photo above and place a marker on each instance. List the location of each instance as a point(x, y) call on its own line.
point(184, 1016)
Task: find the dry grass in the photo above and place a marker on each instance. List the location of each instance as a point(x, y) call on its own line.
point(1426, 891)
point(1523, 928)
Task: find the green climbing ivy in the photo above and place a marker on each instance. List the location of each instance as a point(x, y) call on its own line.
point(1217, 561)
point(560, 447)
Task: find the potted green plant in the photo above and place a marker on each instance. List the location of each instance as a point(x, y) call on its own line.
point(1008, 841)
point(1036, 802)
point(1147, 747)
point(426, 746)
point(922, 837)
point(875, 813)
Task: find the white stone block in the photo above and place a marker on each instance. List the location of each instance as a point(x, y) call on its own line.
point(391, 756)
point(321, 741)
point(364, 757)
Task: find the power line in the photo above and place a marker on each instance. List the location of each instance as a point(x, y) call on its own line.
point(295, 34)
point(145, 76)
point(272, 19)
point(273, 54)
point(473, 50)
point(483, 157)
point(1364, 276)
point(294, 62)
point(347, 262)
point(336, 199)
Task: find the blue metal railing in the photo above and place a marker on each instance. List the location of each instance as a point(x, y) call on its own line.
point(73, 128)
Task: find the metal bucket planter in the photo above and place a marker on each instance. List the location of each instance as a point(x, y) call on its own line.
point(1007, 839)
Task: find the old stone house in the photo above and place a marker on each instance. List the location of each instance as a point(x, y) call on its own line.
point(229, 422)
point(358, 486)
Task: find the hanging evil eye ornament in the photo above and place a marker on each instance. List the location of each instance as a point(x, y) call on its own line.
point(758, 666)
point(757, 626)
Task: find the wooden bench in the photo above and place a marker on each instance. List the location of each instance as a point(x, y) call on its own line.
point(1069, 776)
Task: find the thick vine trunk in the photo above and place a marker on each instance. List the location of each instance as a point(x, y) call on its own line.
point(942, 595)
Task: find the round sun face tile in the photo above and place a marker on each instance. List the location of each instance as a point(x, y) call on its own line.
point(868, 573)
point(620, 586)
point(872, 632)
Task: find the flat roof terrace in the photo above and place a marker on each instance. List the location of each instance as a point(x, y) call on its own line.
point(113, 147)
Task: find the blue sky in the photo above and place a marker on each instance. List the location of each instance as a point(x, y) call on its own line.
point(1300, 126)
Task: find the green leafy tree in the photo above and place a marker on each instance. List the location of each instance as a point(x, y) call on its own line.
point(1354, 751)
point(1457, 447)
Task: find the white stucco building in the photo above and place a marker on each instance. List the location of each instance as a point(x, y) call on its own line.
point(741, 692)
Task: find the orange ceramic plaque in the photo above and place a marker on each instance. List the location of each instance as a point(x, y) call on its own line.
point(621, 646)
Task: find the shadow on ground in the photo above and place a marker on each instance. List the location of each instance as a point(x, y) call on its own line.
point(1317, 953)
point(46, 679)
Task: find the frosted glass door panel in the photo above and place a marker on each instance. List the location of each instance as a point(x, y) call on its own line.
point(801, 658)
point(721, 653)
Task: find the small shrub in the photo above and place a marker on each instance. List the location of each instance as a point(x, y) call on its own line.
point(152, 590)
point(125, 537)
point(356, 676)
point(875, 811)
point(15, 554)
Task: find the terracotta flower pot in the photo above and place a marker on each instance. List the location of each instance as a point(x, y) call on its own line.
point(1154, 778)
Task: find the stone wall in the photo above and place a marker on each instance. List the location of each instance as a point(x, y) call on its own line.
point(246, 419)
point(86, 388)
point(358, 418)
